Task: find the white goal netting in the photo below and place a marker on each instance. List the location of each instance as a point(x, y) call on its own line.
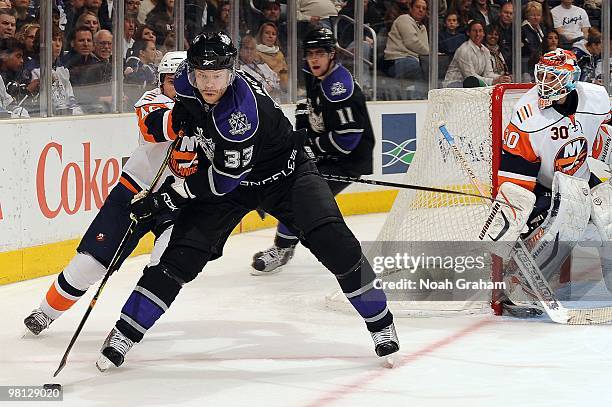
point(430, 224)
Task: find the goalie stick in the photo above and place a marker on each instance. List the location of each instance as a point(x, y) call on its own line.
point(532, 273)
point(113, 263)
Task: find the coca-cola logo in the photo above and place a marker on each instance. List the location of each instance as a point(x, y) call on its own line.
point(81, 183)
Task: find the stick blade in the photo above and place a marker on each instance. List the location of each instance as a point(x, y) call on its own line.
point(60, 367)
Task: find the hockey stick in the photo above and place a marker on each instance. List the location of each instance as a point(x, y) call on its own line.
point(114, 262)
point(530, 270)
point(341, 178)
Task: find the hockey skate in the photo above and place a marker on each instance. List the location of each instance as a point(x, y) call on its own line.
point(270, 260)
point(114, 350)
point(386, 343)
point(37, 322)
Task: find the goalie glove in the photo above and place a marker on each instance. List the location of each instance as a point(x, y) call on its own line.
point(170, 196)
point(505, 224)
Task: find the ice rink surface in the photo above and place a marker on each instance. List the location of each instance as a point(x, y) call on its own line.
point(231, 339)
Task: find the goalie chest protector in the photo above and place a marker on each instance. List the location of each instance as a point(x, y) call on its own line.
point(559, 143)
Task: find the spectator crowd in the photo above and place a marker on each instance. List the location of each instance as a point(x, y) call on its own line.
point(474, 43)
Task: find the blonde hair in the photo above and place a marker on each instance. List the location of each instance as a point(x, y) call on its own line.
point(23, 31)
point(81, 20)
point(261, 29)
point(531, 7)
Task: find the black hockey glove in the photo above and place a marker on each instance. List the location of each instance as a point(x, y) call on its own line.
point(301, 115)
point(180, 117)
point(167, 197)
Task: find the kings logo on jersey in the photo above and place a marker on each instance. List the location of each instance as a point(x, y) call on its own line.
point(571, 156)
point(239, 124)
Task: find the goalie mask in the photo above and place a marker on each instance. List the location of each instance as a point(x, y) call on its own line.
point(211, 61)
point(556, 74)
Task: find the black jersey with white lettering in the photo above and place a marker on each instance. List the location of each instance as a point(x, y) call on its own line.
point(244, 139)
point(338, 122)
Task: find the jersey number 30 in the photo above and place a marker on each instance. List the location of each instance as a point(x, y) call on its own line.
point(234, 158)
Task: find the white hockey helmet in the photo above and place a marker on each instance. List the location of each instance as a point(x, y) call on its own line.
point(556, 74)
point(169, 63)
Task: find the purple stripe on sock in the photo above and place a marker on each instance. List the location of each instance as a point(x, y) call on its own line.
point(284, 230)
point(142, 310)
point(370, 303)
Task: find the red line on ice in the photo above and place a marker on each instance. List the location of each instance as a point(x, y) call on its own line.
point(350, 388)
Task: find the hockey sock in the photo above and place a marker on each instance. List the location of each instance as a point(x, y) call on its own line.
point(70, 285)
point(284, 237)
point(370, 302)
point(153, 295)
point(60, 297)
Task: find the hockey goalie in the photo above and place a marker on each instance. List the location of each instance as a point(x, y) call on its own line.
point(544, 173)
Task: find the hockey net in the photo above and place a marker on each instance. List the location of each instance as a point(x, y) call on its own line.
point(426, 223)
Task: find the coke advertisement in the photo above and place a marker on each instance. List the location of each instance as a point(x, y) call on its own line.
point(56, 174)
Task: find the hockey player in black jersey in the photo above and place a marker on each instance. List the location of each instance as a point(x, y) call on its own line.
point(339, 133)
point(248, 157)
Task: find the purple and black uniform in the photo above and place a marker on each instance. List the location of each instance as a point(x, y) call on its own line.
point(249, 158)
point(340, 132)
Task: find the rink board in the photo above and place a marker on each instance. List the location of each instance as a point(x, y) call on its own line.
point(56, 173)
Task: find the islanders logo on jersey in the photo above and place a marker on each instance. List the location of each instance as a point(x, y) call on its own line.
point(571, 156)
point(184, 159)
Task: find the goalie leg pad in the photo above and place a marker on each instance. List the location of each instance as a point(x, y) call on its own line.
point(553, 241)
point(601, 215)
point(505, 224)
point(566, 223)
point(601, 209)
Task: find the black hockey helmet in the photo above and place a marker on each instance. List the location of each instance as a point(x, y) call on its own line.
point(320, 38)
point(212, 51)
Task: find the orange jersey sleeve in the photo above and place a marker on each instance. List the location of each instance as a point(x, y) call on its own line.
point(519, 162)
point(155, 122)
